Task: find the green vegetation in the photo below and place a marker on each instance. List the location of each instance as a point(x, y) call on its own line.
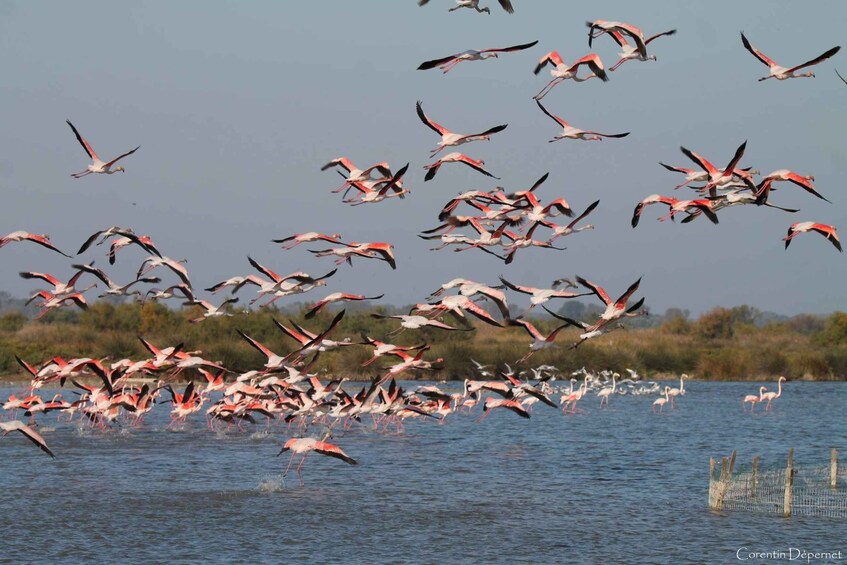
point(723, 344)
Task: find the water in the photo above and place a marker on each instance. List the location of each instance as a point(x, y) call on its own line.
point(618, 485)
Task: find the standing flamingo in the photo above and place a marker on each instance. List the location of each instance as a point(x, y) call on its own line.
point(660, 402)
point(753, 399)
point(770, 396)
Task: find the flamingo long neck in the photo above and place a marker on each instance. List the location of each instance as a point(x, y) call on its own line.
point(779, 388)
point(761, 393)
point(682, 384)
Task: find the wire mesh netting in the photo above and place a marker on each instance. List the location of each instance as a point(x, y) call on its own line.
point(810, 492)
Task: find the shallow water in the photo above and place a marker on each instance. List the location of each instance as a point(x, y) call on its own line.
point(617, 485)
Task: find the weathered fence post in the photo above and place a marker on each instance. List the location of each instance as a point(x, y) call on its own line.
point(789, 481)
point(711, 482)
point(755, 475)
point(833, 469)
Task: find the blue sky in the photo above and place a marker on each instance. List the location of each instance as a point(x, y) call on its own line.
point(237, 106)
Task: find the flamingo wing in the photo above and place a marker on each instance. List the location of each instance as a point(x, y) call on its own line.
point(756, 53)
point(437, 128)
point(512, 48)
point(558, 120)
point(818, 59)
point(119, 157)
point(84, 143)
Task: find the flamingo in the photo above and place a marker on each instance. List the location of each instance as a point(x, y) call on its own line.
point(354, 174)
point(371, 194)
point(608, 391)
point(381, 348)
point(781, 73)
point(561, 231)
point(676, 206)
point(142, 241)
point(638, 51)
point(176, 266)
point(103, 234)
point(447, 63)
point(59, 288)
point(306, 444)
point(31, 435)
point(211, 311)
point(97, 166)
point(660, 402)
point(114, 288)
point(804, 182)
point(51, 302)
point(508, 403)
point(614, 309)
point(540, 341)
point(456, 157)
point(541, 295)
point(825, 230)
point(41, 239)
point(337, 297)
point(415, 322)
point(716, 177)
point(448, 138)
point(617, 31)
point(561, 71)
point(298, 238)
point(753, 399)
point(674, 392)
point(474, 4)
point(570, 132)
point(770, 396)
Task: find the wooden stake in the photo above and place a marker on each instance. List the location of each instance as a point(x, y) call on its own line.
point(833, 469)
point(755, 475)
point(711, 482)
point(789, 481)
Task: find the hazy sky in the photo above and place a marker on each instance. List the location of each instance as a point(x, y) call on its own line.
point(237, 105)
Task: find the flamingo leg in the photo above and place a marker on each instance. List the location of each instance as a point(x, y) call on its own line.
point(548, 88)
point(299, 476)
point(618, 64)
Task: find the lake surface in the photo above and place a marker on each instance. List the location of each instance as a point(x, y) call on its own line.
point(616, 485)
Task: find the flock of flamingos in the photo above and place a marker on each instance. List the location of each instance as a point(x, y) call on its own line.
point(498, 223)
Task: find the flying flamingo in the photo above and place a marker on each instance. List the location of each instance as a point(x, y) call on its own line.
point(456, 157)
point(561, 71)
point(31, 435)
point(474, 4)
point(298, 238)
point(336, 297)
point(804, 182)
point(447, 63)
point(40, 239)
point(617, 30)
point(676, 206)
point(448, 138)
point(717, 177)
point(561, 231)
point(825, 230)
point(541, 295)
point(508, 403)
point(415, 322)
point(59, 288)
point(114, 288)
point(540, 341)
point(354, 174)
point(781, 73)
point(176, 266)
point(211, 311)
point(770, 396)
point(97, 166)
point(615, 309)
point(570, 132)
point(306, 444)
point(753, 399)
